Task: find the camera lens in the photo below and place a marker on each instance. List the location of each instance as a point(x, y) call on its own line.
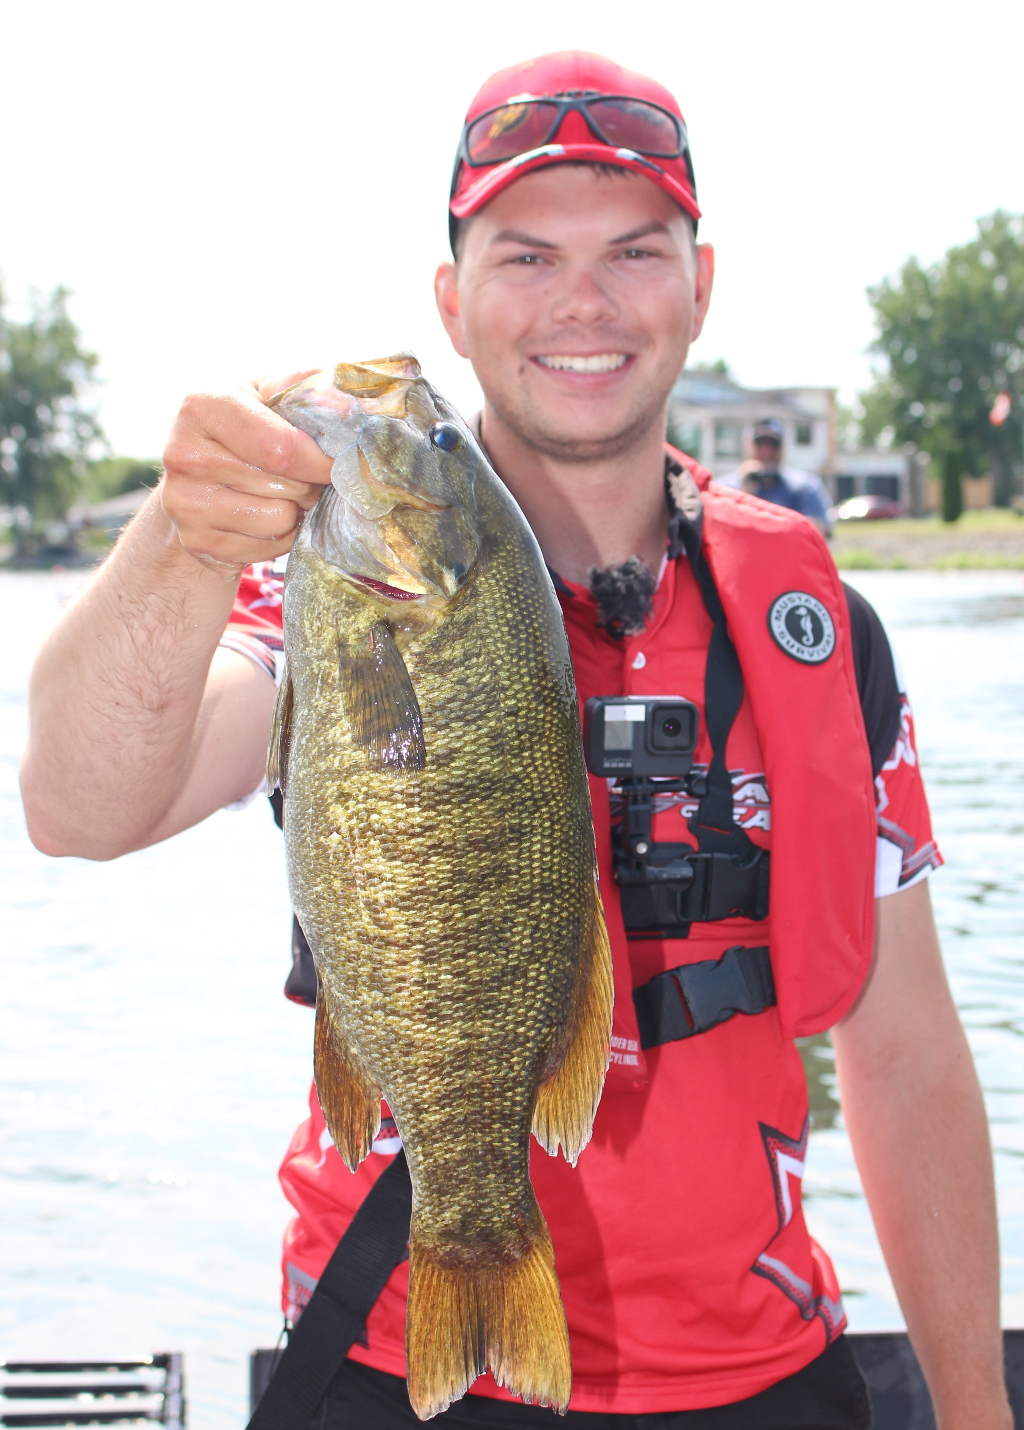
point(672, 729)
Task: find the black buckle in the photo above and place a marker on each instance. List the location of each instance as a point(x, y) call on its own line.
point(690, 888)
point(697, 997)
point(727, 887)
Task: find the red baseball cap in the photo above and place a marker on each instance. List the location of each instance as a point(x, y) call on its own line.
point(570, 106)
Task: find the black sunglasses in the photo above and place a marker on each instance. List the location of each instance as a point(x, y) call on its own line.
point(618, 120)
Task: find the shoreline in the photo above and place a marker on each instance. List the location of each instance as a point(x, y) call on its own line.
point(979, 541)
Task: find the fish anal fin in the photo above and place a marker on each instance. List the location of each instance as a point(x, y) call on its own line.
point(349, 1101)
point(280, 735)
point(381, 703)
point(567, 1098)
point(507, 1315)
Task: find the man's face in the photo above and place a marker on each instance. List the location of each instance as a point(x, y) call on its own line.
point(576, 297)
point(767, 452)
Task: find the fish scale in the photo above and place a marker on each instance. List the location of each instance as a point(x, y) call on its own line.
point(441, 863)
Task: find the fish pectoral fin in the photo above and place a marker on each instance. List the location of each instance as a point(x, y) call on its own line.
point(507, 1315)
point(350, 1102)
point(567, 1098)
point(381, 703)
point(280, 735)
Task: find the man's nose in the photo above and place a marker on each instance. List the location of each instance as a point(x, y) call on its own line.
point(583, 299)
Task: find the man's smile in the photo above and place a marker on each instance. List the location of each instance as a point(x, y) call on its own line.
point(583, 362)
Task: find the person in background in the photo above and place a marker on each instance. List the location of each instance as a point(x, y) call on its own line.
point(766, 478)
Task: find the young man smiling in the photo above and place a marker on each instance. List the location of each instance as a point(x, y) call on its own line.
point(696, 1299)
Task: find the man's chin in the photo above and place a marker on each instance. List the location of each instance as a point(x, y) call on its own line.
point(578, 442)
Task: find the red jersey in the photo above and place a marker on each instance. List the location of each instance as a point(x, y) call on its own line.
point(687, 1271)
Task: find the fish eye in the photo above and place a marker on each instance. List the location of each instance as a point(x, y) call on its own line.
point(446, 436)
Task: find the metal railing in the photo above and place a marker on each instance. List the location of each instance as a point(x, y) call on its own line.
point(96, 1392)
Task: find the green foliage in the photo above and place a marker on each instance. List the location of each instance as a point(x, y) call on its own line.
point(113, 476)
point(952, 337)
point(720, 367)
point(952, 486)
point(47, 431)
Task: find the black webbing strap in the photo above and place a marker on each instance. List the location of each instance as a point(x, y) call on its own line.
point(364, 1258)
point(696, 997)
point(713, 824)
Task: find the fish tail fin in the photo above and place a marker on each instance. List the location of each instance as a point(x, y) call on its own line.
point(349, 1101)
point(507, 1315)
point(567, 1099)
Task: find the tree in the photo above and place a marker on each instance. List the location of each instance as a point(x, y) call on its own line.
point(47, 430)
point(952, 339)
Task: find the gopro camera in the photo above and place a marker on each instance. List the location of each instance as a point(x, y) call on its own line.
point(637, 736)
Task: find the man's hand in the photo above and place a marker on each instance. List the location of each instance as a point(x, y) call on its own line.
point(238, 478)
point(915, 1115)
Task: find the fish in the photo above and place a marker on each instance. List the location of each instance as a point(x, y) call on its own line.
point(441, 862)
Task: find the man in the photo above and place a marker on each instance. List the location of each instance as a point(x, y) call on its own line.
point(786, 486)
point(694, 1294)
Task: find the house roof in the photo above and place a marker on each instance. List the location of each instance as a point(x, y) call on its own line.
point(696, 388)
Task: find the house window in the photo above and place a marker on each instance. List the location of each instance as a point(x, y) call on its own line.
point(883, 486)
point(687, 437)
point(845, 488)
point(728, 439)
point(804, 434)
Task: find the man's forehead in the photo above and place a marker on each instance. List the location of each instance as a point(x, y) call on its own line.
point(556, 205)
point(532, 240)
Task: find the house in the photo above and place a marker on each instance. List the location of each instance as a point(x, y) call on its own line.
point(711, 417)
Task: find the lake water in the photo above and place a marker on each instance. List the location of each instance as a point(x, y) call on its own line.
point(151, 1073)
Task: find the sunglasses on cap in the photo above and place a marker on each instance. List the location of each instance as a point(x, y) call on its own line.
point(618, 120)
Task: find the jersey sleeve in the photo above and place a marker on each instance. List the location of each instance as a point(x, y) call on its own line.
point(906, 850)
point(254, 628)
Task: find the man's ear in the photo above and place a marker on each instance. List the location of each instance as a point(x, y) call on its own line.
point(705, 257)
point(446, 292)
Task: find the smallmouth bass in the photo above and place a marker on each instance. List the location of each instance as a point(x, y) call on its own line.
point(441, 863)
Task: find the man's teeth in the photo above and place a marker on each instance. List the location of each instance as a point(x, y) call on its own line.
point(596, 362)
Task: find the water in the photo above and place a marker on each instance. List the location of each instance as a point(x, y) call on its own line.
point(150, 1076)
point(151, 1073)
point(960, 637)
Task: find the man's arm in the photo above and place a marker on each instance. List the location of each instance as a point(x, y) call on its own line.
point(134, 734)
point(914, 1111)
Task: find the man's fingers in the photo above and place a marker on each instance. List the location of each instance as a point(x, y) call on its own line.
point(208, 465)
point(240, 423)
point(238, 478)
point(269, 387)
point(195, 505)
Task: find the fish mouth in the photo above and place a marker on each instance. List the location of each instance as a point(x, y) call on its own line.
point(381, 588)
point(582, 362)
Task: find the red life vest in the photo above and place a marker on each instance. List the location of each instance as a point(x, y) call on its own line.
point(768, 562)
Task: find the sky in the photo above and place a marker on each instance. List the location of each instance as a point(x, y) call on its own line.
point(232, 189)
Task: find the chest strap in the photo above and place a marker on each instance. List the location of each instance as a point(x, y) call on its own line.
point(696, 997)
point(371, 1248)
